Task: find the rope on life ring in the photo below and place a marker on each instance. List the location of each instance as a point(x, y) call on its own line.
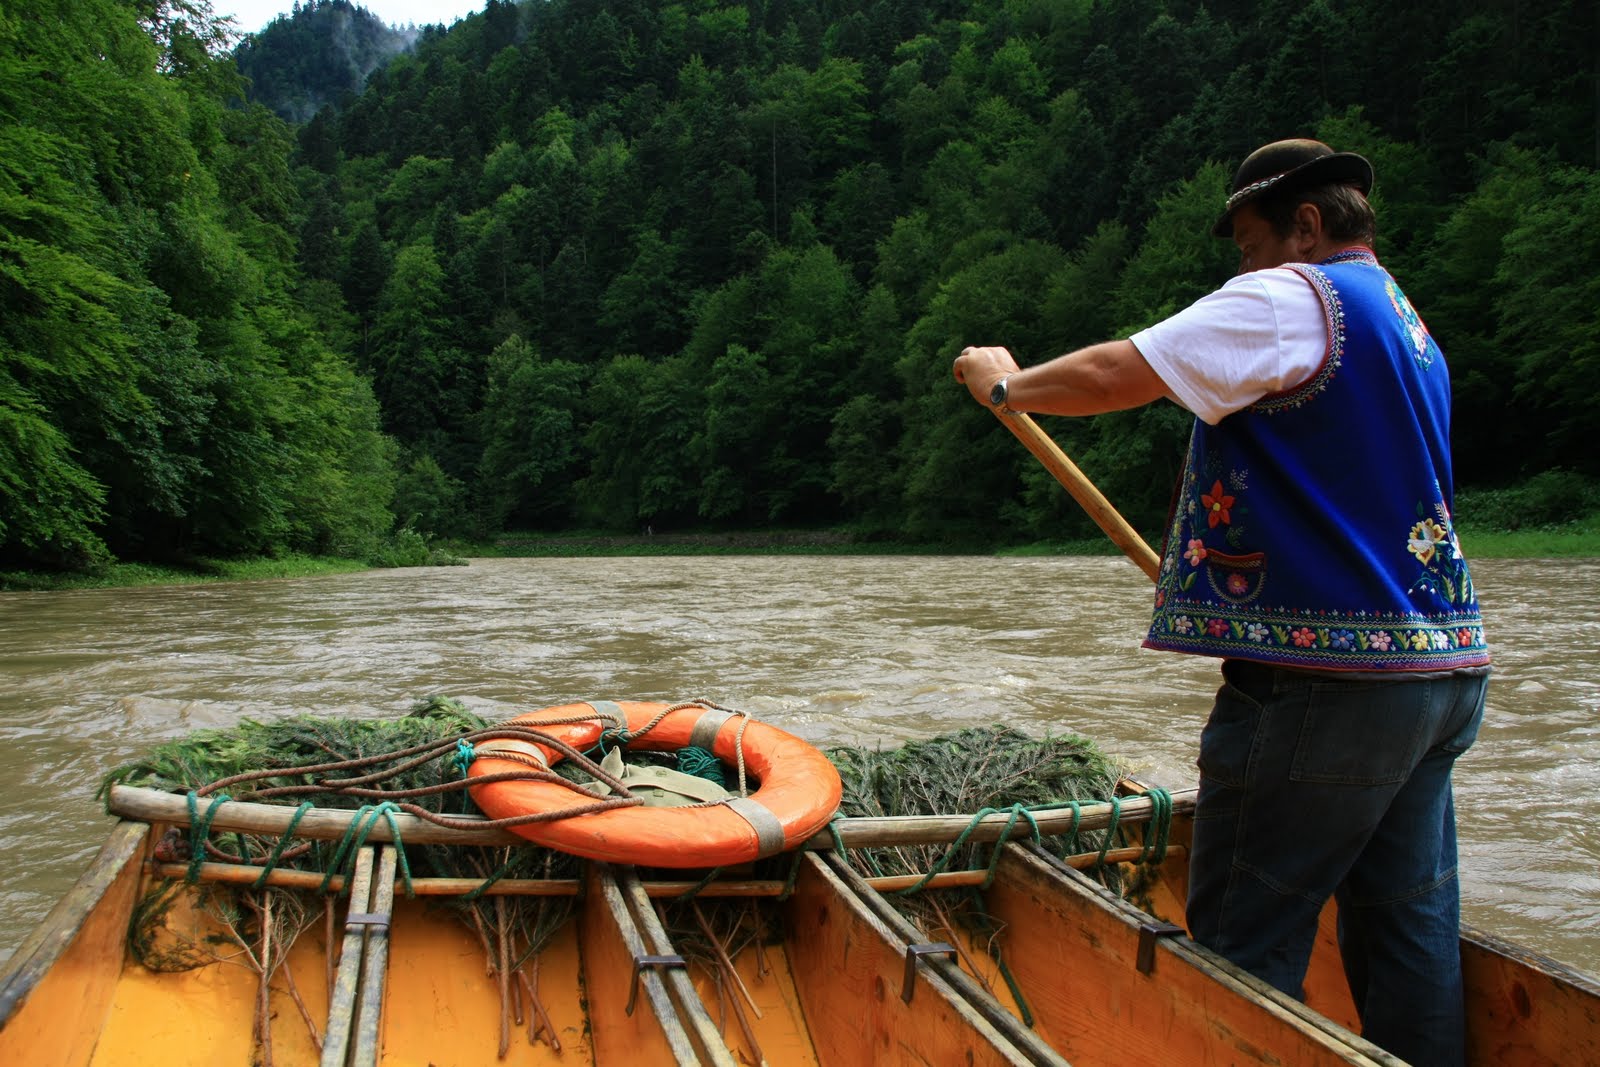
point(798, 793)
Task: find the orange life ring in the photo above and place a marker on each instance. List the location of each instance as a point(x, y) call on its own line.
point(798, 794)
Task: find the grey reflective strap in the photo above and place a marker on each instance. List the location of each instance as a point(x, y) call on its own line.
point(511, 744)
point(704, 734)
point(769, 831)
point(611, 712)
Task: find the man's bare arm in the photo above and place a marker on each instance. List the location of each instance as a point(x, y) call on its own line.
point(1112, 376)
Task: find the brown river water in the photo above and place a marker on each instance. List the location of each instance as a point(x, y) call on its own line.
point(841, 650)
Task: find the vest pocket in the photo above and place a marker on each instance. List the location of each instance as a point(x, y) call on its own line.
point(1236, 579)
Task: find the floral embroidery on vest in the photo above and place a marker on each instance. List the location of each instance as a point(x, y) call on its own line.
point(1413, 323)
point(1435, 545)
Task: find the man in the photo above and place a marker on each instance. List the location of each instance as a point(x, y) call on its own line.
point(1311, 548)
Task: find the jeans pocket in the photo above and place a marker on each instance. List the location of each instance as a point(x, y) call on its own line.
point(1362, 733)
point(1229, 737)
point(1471, 694)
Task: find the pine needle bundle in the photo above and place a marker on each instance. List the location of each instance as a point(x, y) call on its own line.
point(964, 773)
point(986, 767)
point(207, 756)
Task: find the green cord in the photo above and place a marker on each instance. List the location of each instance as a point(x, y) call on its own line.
point(794, 874)
point(694, 890)
point(838, 839)
point(1111, 832)
point(1005, 835)
point(199, 830)
point(283, 843)
point(995, 954)
point(702, 763)
point(1155, 840)
point(492, 879)
point(843, 852)
point(1016, 811)
point(355, 836)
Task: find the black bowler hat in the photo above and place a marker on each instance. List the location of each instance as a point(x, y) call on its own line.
point(1285, 166)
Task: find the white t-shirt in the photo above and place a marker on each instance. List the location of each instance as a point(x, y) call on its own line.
point(1262, 332)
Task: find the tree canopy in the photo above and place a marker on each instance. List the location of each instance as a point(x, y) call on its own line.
point(692, 264)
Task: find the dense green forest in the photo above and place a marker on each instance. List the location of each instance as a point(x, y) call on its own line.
point(316, 56)
point(577, 264)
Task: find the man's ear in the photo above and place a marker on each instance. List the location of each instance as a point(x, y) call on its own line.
point(1307, 226)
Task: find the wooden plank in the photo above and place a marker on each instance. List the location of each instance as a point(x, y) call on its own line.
point(1524, 1009)
point(56, 990)
point(652, 1033)
point(849, 971)
point(342, 999)
point(1073, 947)
point(1032, 1047)
point(374, 965)
point(679, 986)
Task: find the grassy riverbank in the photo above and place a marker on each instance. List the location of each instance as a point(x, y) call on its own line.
point(231, 570)
point(1574, 540)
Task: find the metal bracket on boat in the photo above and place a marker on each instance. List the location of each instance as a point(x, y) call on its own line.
point(916, 952)
point(639, 964)
point(1148, 933)
point(366, 918)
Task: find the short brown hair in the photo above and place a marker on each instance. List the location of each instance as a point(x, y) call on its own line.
point(1346, 214)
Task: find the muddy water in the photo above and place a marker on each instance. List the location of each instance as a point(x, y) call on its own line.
point(839, 650)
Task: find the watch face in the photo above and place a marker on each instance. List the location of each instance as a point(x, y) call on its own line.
point(997, 395)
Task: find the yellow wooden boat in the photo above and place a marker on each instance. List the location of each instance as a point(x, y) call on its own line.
point(836, 975)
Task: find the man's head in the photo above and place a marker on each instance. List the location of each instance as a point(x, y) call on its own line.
point(1291, 171)
point(1293, 198)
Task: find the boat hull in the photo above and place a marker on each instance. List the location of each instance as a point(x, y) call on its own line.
point(840, 978)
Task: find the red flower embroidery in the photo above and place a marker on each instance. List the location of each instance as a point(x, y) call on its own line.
point(1217, 627)
point(1238, 585)
point(1304, 637)
point(1217, 504)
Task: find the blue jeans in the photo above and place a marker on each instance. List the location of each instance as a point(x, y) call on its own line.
point(1311, 787)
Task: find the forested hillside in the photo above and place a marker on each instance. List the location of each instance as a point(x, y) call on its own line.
point(318, 54)
point(169, 385)
point(681, 264)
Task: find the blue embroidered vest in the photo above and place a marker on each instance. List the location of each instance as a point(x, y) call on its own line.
point(1312, 529)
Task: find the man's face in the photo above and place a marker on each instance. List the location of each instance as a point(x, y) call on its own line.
point(1259, 247)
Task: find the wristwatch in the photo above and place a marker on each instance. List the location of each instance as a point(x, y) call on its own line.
point(997, 396)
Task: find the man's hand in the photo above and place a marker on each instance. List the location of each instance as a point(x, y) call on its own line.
point(979, 368)
point(1106, 377)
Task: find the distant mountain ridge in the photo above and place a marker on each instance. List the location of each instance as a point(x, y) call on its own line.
point(316, 54)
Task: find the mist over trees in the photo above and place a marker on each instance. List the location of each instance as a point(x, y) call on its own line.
point(602, 265)
point(316, 56)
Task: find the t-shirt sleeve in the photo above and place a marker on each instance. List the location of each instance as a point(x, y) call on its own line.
point(1261, 333)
